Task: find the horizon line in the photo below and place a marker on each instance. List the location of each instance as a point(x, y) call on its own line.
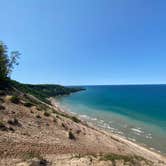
point(121, 84)
point(115, 84)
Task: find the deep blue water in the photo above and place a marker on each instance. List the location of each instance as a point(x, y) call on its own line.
point(135, 111)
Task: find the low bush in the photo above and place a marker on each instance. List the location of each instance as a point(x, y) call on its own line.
point(38, 108)
point(127, 159)
point(14, 99)
point(53, 111)
point(38, 116)
point(2, 126)
point(14, 122)
point(28, 104)
point(46, 113)
point(11, 129)
point(75, 119)
point(64, 126)
point(2, 107)
point(43, 162)
point(31, 155)
point(71, 136)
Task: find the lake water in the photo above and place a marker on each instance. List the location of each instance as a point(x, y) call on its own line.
point(136, 112)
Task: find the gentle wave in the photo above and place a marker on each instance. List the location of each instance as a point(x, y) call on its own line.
point(138, 130)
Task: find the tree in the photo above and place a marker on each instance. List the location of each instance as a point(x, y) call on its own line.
point(7, 62)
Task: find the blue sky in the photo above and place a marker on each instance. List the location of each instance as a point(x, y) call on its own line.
point(80, 42)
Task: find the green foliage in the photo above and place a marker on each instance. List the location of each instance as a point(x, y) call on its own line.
point(31, 155)
point(4, 61)
point(64, 126)
point(46, 113)
point(2, 126)
point(43, 92)
point(35, 155)
point(15, 99)
point(53, 111)
point(75, 119)
point(57, 117)
point(130, 159)
point(28, 104)
point(7, 63)
point(114, 157)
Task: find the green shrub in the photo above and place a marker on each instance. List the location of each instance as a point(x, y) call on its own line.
point(14, 99)
point(46, 113)
point(3, 127)
point(14, 122)
point(39, 108)
point(114, 157)
point(53, 111)
point(1, 124)
point(38, 116)
point(43, 162)
point(28, 104)
point(75, 119)
point(2, 107)
point(64, 126)
point(7, 62)
point(31, 155)
point(131, 159)
point(71, 136)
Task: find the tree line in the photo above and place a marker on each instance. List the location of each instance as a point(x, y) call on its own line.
point(7, 62)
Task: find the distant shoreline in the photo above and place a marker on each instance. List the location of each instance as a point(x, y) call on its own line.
point(117, 85)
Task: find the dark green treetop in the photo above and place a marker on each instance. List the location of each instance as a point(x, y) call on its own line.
point(7, 62)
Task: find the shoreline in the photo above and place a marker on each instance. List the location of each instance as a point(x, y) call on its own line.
point(135, 145)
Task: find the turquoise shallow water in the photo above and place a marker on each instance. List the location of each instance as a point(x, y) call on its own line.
point(137, 112)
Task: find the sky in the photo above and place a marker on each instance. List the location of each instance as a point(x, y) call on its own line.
point(86, 42)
